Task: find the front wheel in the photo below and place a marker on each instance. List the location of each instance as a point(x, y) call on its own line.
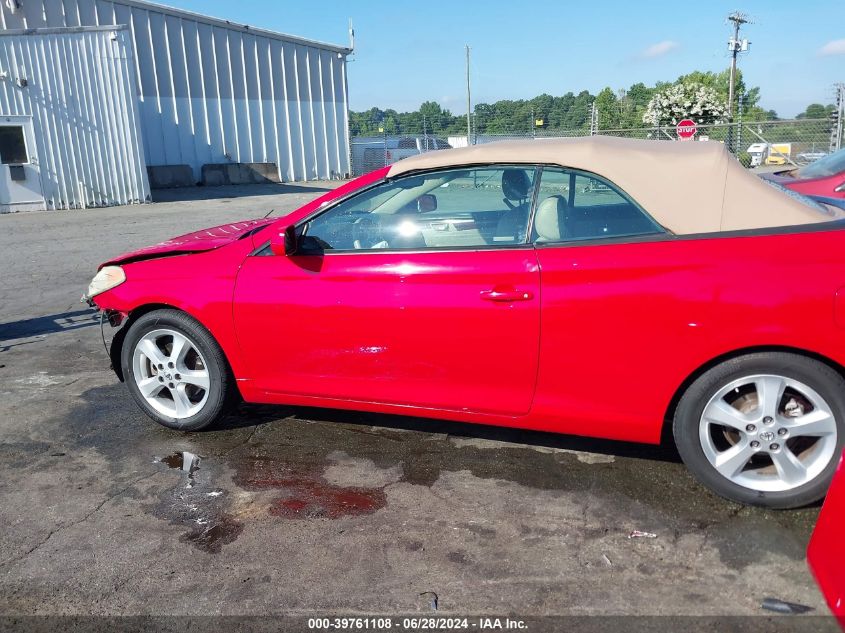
point(175, 370)
point(764, 429)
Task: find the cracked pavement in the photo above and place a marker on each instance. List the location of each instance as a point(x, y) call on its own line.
point(310, 511)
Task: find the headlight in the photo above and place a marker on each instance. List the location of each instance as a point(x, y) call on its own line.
point(109, 277)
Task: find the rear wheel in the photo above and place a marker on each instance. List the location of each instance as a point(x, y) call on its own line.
point(764, 429)
point(175, 370)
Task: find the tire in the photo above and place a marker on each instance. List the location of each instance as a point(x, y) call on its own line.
point(186, 379)
point(806, 422)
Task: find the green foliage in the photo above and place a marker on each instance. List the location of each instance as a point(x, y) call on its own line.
point(817, 111)
point(568, 112)
point(744, 159)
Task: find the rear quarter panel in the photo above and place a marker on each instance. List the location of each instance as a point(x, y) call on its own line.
point(624, 325)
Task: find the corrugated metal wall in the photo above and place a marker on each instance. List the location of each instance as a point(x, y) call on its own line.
point(212, 92)
point(80, 92)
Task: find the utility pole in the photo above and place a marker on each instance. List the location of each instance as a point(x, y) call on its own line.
point(469, 104)
point(735, 45)
point(836, 119)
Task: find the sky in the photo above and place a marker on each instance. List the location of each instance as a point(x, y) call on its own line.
point(410, 52)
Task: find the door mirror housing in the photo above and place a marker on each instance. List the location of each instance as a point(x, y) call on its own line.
point(284, 242)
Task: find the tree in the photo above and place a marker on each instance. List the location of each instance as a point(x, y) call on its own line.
point(685, 100)
point(608, 107)
point(816, 111)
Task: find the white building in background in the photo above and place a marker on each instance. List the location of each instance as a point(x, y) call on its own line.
point(110, 96)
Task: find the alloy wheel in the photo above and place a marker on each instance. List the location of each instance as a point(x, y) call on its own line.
point(768, 433)
point(171, 374)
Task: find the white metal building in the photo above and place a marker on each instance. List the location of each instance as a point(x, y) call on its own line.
point(215, 100)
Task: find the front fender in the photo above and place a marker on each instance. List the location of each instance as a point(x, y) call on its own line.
point(201, 285)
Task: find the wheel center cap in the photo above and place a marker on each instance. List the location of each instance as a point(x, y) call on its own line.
point(767, 436)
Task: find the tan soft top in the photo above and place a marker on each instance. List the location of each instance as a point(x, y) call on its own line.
point(692, 187)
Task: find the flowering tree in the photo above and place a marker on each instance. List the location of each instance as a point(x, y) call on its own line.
point(685, 100)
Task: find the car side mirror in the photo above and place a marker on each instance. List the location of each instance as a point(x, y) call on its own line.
point(284, 242)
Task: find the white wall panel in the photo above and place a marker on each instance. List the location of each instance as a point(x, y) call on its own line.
point(214, 92)
point(80, 92)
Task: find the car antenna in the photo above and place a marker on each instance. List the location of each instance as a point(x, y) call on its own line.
point(272, 211)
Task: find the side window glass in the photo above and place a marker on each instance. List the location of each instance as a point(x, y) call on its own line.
point(573, 205)
point(459, 208)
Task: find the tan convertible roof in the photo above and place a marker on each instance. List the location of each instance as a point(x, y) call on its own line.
point(693, 187)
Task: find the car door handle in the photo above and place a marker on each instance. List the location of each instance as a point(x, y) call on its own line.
point(506, 295)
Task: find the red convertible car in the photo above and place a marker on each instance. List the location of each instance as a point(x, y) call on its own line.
point(603, 287)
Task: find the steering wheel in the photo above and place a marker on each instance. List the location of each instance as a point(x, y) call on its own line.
point(367, 232)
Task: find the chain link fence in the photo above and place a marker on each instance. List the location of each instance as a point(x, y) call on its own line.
point(757, 143)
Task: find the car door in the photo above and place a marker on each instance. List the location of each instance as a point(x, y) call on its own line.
point(420, 291)
point(618, 299)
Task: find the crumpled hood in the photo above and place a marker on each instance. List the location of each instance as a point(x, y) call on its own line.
point(198, 242)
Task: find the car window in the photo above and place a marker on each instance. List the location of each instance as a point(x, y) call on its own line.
point(470, 207)
point(830, 165)
point(573, 205)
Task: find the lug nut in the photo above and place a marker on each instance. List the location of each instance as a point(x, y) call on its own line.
point(172, 386)
point(161, 378)
point(750, 428)
point(160, 366)
point(782, 432)
point(768, 420)
point(178, 376)
point(755, 444)
point(171, 365)
point(774, 447)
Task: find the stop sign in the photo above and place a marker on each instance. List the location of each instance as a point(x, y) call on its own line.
point(686, 129)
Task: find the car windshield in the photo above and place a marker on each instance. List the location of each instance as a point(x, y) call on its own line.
point(830, 165)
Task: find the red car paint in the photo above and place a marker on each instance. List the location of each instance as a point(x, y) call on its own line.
point(603, 342)
point(826, 553)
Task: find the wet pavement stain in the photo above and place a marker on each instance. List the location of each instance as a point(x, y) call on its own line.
point(277, 456)
point(212, 538)
point(306, 495)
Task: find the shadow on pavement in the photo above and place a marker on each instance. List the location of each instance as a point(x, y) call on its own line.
point(254, 415)
point(43, 325)
point(187, 194)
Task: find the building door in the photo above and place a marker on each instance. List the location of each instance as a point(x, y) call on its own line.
point(20, 174)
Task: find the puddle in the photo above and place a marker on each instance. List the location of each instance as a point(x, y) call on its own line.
point(185, 461)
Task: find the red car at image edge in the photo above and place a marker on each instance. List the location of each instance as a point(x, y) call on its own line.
point(823, 178)
point(604, 287)
point(826, 553)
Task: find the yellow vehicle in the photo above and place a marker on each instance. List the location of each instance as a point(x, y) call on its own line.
point(779, 153)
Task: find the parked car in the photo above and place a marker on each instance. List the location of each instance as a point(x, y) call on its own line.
point(584, 286)
point(824, 177)
point(805, 158)
point(826, 553)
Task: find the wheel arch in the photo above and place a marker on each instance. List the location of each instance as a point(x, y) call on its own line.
point(116, 347)
point(666, 432)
